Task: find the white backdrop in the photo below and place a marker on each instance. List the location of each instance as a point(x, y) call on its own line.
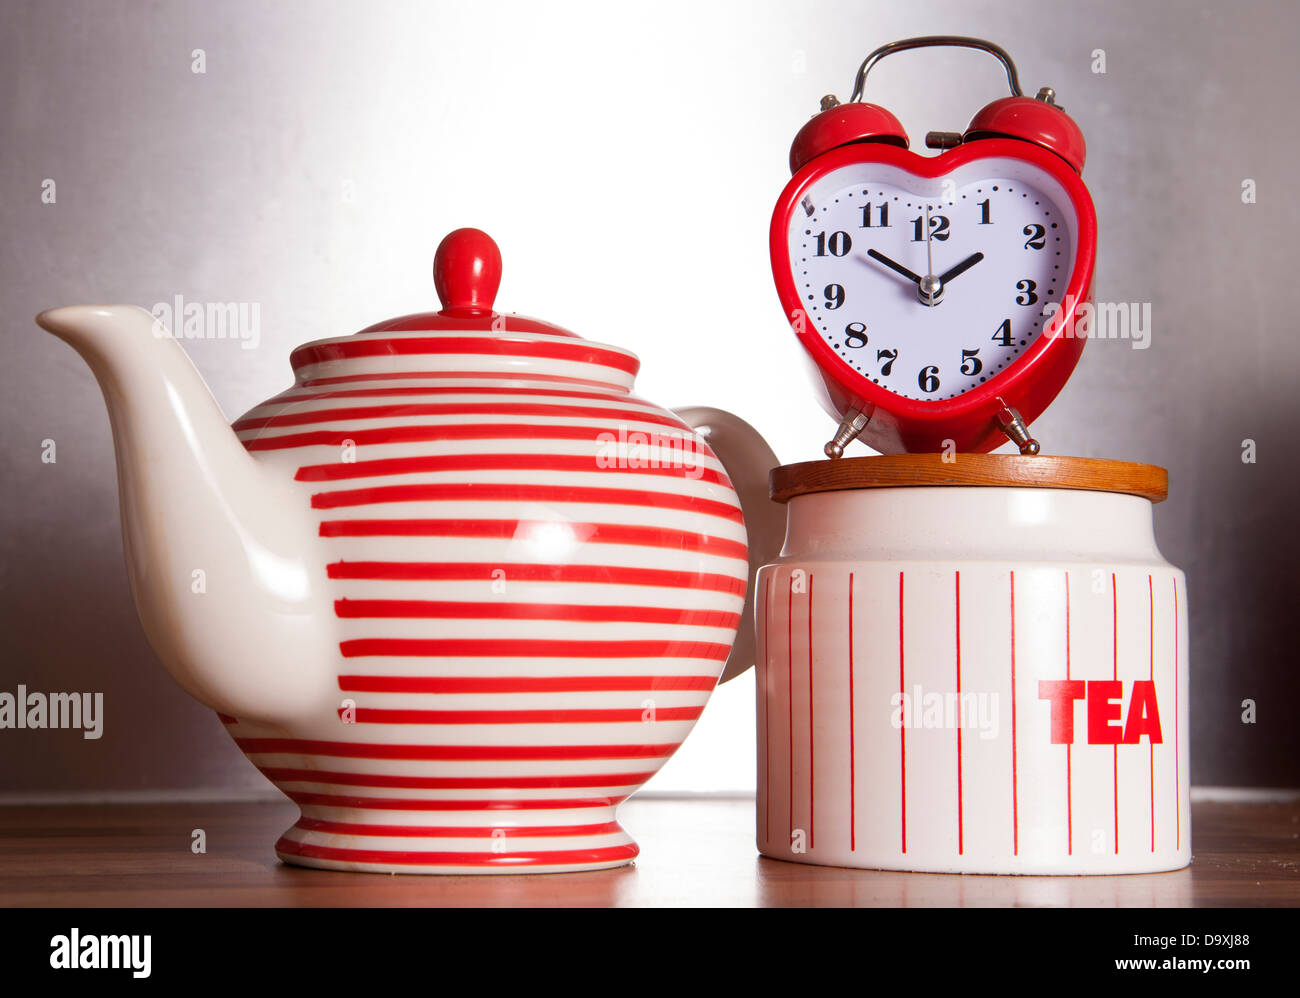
point(626, 158)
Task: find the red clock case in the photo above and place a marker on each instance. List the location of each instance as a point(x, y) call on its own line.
point(966, 423)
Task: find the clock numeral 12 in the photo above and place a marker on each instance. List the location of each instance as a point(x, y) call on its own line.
point(938, 225)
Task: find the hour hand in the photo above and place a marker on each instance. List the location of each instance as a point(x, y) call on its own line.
point(960, 268)
point(897, 268)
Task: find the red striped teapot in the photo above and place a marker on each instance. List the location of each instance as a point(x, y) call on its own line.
point(462, 592)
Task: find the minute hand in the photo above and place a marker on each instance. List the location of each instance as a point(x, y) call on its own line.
point(960, 268)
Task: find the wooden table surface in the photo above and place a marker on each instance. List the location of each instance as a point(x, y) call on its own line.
point(694, 852)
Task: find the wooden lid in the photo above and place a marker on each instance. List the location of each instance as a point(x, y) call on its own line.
point(1007, 470)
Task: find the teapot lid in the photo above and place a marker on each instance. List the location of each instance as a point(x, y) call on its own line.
point(466, 275)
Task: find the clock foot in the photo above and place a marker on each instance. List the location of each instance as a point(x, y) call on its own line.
point(1013, 425)
point(854, 422)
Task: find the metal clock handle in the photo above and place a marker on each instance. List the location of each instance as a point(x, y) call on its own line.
point(936, 41)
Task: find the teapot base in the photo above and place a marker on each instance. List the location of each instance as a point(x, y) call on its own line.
point(517, 843)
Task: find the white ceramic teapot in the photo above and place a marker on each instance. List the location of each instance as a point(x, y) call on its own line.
point(463, 592)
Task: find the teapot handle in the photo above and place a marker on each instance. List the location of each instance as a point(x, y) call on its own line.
point(748, 460)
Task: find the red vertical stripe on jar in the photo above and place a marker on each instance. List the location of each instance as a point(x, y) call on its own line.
point(767, 729)
point(812, 758)
point(789, 701)
point(1114, 608)
point(961, 824)
point(853, 752)
point(1151, 616)
point(902, 728)
point(1069, 768)
point(1015, 784)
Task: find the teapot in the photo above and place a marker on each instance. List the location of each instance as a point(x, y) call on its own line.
point(458, 592)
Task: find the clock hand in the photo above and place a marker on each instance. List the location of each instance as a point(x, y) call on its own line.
point(960, 268)
point(929, 257)
point(898, 268)
point(929, 289)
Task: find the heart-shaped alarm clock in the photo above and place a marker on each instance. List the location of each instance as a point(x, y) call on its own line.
point(936, 295)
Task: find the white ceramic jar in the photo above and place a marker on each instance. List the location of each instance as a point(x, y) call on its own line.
point(973, 667)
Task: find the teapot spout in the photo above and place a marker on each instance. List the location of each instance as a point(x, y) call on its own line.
point(216, 556)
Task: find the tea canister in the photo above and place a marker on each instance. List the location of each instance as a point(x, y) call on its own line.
point(973, 664)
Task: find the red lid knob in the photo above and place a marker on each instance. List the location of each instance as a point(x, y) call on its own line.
point(467, 272)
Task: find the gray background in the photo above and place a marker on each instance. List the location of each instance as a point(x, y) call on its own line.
point(627, 163)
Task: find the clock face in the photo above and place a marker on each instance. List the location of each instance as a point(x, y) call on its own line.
point(930, 287)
